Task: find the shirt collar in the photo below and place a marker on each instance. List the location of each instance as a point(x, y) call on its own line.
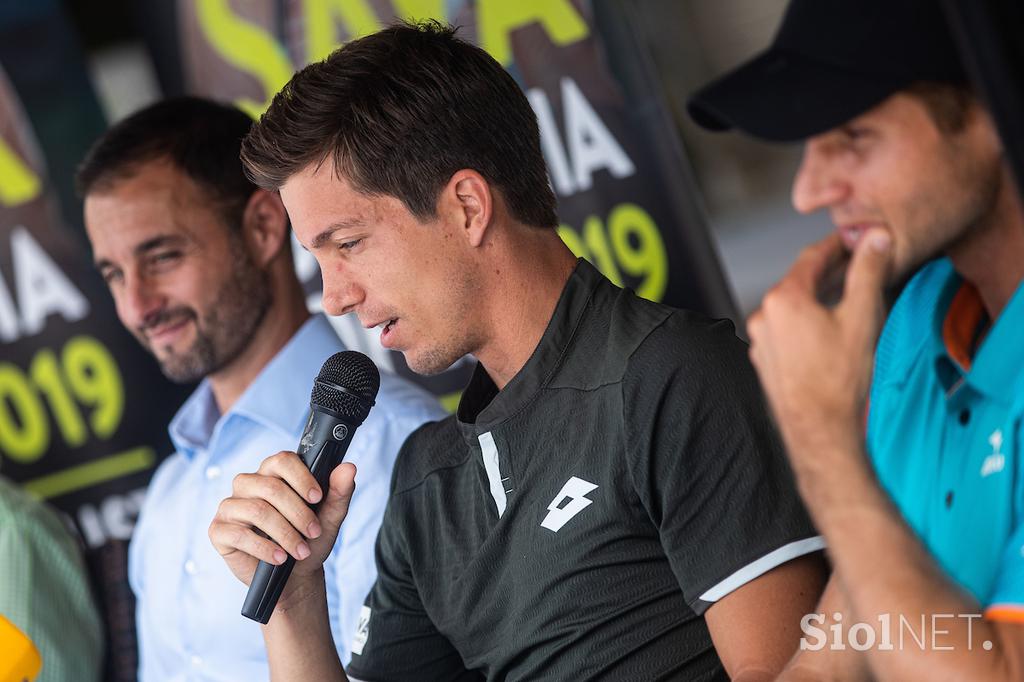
point(483, 407)
point(997, 367)
point(270, 400)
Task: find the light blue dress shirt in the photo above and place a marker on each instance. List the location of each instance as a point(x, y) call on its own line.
point(188, 602)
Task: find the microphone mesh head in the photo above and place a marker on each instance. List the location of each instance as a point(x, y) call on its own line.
point(347, 384)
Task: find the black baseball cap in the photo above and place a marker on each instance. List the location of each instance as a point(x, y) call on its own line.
point(831, 61)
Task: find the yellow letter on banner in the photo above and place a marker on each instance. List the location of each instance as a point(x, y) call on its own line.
point(18, 184)
point(356, 16)
point(420, 9)
point(498, 18)
point(247, 47)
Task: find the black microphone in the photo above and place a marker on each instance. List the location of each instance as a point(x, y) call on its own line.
point(343, 394)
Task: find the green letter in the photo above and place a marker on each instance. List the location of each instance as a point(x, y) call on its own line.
point(498, 18)
point(356, 16)
point(19, 184)
point(247, 47)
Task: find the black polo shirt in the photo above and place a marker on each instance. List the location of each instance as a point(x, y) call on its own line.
point(576, 524)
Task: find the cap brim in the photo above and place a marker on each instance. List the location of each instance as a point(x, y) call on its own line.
point(784, 97)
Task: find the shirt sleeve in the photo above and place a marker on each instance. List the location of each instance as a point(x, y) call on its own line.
point(395, 639)
point(45, 593)
point(1007, 602)
point(707, 462)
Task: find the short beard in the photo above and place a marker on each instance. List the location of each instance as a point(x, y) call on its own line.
point(432, 361)
point(227, 327)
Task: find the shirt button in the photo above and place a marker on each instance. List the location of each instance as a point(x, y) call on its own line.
point(196, 661)
point(965, 416)
point(190, 567)
point(212, 472)
point(949, 499)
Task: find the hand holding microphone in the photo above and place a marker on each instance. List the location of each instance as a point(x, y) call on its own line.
point(293, 506)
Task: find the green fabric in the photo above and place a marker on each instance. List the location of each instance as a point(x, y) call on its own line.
point(44, 590)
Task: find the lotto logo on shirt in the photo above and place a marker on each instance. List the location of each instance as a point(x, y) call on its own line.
point(569, 502)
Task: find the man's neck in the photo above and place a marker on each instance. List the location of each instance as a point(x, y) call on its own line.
point(523, 291)
point(991, 257)
point(282, 320)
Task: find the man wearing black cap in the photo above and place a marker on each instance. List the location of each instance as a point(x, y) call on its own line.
point(924, 517)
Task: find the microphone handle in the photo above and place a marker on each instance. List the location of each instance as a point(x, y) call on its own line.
point(269, 580)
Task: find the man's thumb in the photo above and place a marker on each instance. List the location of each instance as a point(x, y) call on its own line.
point(866, 276)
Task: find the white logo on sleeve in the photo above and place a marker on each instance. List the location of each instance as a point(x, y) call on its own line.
point(362, 631)
point(569, 502)
point(995, 462)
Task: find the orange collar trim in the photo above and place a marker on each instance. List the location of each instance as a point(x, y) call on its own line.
point(960, 327)
point(1005, 613)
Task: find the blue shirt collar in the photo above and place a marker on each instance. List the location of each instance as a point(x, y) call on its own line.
point(998, 366)
point(290, 372)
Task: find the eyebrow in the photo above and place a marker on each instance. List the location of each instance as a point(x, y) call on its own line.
point(148, 245)
point(325, 236)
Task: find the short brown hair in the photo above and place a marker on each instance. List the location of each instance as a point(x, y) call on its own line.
point(400, 111)
point(202, 138)
point(948, 104)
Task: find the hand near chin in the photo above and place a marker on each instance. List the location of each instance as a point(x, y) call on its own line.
point(815, 362)
point(274, 501)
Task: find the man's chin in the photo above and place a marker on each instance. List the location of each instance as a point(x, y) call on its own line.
point(427, 364)
point(182, 368)
point(182, 374)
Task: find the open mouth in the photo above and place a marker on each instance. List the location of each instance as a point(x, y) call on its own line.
point(387, 332)
point(852, 233)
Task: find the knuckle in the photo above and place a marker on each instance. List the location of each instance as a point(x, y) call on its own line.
point(771, 303)
point(238, 482)
point(754, 332)
point(271, 463)
point(258, 511)
point(238, 537)
point(269, 487)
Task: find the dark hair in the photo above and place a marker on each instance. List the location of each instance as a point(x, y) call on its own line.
point(201, 137)
point(400, 111)
point(948, 104)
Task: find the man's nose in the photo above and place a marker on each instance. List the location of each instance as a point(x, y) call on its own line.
point(139, 301)
point(341, 295)
point(819, 181)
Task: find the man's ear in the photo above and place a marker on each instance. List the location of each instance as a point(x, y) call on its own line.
point(265, 226)
point(468, 199)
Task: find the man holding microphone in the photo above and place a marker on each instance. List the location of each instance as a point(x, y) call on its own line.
point(610, 500)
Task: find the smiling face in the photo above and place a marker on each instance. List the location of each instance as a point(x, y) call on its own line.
point(415, 280)
point(183, 282)
point(893, 168)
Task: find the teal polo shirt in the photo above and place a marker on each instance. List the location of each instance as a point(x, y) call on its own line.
point(944, 431)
